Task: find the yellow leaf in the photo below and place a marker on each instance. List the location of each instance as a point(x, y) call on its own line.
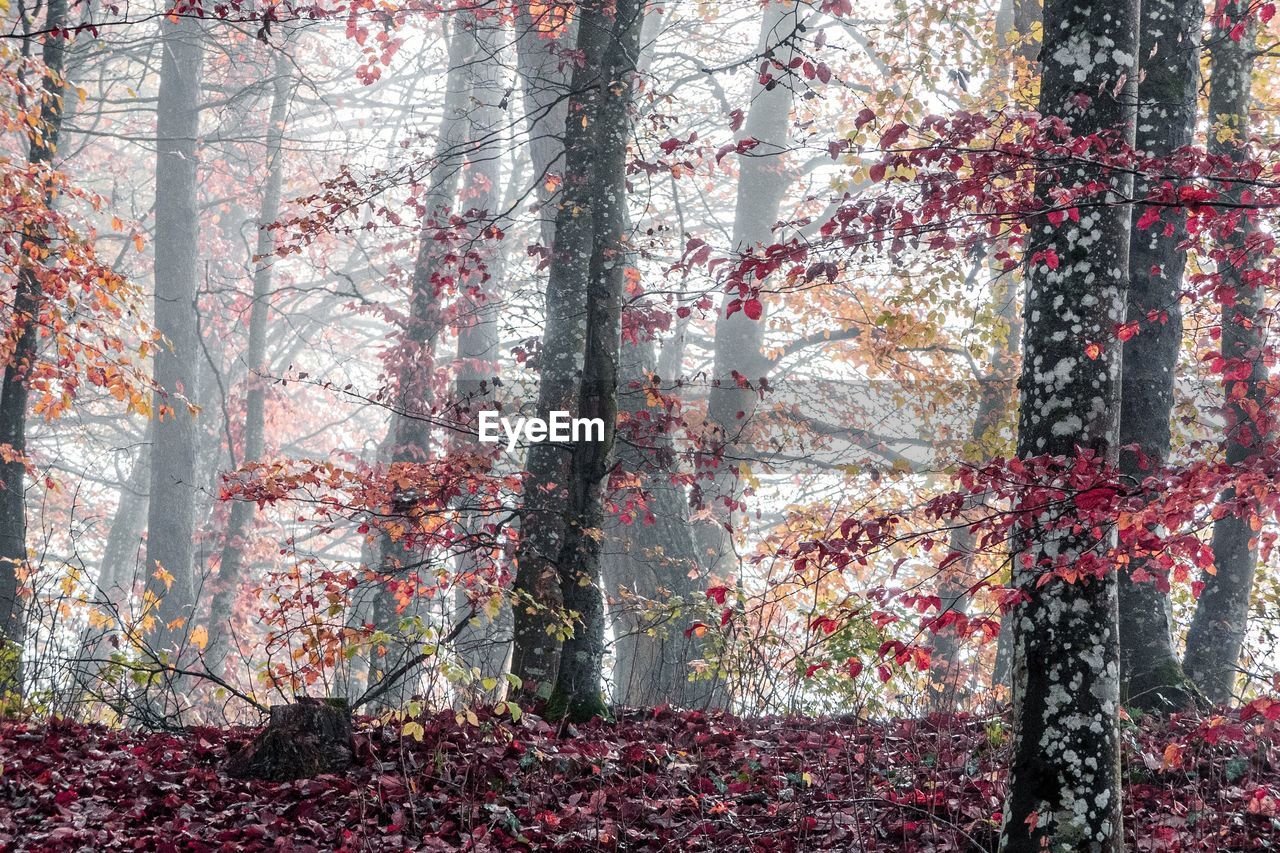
point(200, 637)
point(163, 576)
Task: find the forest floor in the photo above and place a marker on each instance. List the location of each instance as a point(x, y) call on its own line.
point(652, 781)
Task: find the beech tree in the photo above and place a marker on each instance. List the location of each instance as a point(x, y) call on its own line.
point(1221, 619)
point(588, 267)
point(240, 522)
point(28, 305)
point(169, 560)
point(1169, 54)
point(1064, 783)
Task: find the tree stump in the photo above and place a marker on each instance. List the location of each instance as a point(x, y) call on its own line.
point(304, 739)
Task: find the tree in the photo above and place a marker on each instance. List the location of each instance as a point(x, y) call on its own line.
point(535, 591)
point(1218, 627)
point(415, 362)
point(28, 306)
point(169, 562)
point(739, 361)
point(484, 645)
point(1150, 671)
point(240, 522)
point(1064, 782)
point(584, 300)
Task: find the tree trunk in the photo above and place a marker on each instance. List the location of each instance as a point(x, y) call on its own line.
point(537, 592)
point(651, 569)
point(739, 340)
point(118, 571)
point(1151, 674)
point(484, 644)
point(415, 397)
point(28, 303)
point(170, 592)
point(240, 522)
point(1064, 781)
point(543, 72)
point(1217, 631)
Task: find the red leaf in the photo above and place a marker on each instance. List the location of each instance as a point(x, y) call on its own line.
point(753, 309)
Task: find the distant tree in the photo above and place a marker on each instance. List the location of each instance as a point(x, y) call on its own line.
point(169, 562)
point(1169, 55)
point(240, 521)
point(1217, 631)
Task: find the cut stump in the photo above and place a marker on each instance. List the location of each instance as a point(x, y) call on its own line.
point(307, 738)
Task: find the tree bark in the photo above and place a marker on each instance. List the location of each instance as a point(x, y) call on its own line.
point(1064, 780)
point(170, 592)
point(28, 303)
point(1216, 635)
point(597, 149)
point(307, 738)
point(240, 521)
point(1151, 674)
point(537, 593)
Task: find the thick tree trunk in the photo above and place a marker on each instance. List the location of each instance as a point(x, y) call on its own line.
point(1064, 782)
point(240, 522)
point(579, 368)
point(537, 592)
point(28, 303)
point(170, 592)
point(1217, 631)
point(1151, 674)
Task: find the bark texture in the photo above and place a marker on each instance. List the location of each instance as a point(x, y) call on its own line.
point(1150, 671)
point(171, 508)
point(28, 302)
point(1216, 635)
point(595, 165)
point(545, 79)
point(1064, 782)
